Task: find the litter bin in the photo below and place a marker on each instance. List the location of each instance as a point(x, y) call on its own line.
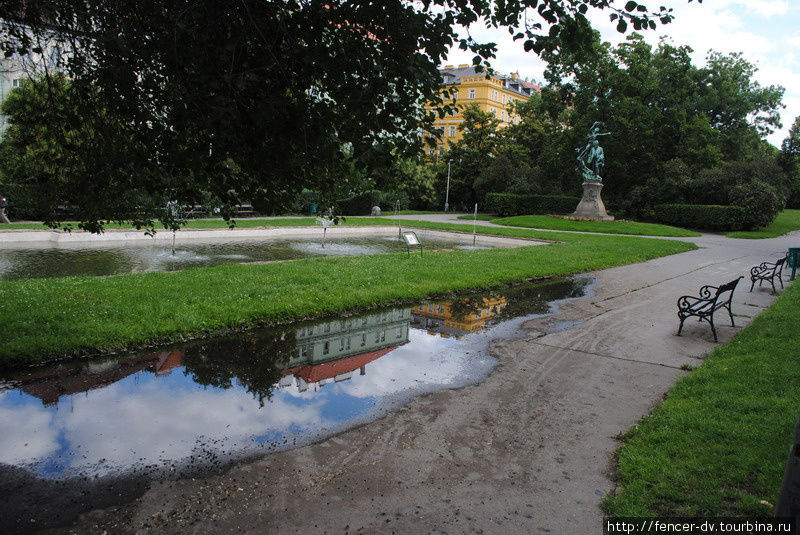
point(312, 208)
point(794, 259)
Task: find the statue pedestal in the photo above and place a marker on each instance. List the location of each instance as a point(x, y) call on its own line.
point(591, 205)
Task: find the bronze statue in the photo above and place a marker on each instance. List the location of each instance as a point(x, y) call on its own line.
point(591, 158)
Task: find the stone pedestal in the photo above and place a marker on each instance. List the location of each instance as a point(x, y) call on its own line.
point(591, 205)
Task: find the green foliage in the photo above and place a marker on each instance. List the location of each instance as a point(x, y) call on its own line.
point(717, 445)
point(50, 317)
point(701, 216)
point(288, 93)
point(790, 161)
point(760, 201)
point(362, 203)
point(508, 204)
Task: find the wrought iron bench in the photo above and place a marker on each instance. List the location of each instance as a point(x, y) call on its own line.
point(711, 299)
point(767, 271)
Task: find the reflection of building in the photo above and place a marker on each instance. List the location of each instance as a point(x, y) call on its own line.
point(50, 385)
point(329, 351)
point(334, 350)
point(456, 318)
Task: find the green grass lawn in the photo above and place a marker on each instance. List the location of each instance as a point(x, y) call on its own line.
point(608, 227)
point(481, 217)
point(47, 318)
point(718, 444)
point(787, 221)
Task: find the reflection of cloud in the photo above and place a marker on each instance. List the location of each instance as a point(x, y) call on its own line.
point(427, 360)
point(157, 423)
point(27, 432)
point(146, 419)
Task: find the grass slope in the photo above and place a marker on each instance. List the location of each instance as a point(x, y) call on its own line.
point(45, 318)
point(787, 221)
point(718, 444)
point(608, 227)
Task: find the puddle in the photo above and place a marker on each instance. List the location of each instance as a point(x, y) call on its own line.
point(116, 258)
point(200, 406)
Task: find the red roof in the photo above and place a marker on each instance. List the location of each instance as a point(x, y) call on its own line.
point(329, 370)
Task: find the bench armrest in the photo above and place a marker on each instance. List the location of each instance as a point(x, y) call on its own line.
point(685, 302)
point(707, 291)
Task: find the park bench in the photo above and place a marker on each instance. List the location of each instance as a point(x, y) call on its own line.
point(711, 299)
point(767, 271)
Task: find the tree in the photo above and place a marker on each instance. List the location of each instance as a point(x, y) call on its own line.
point(790, 161)
point(232, 98)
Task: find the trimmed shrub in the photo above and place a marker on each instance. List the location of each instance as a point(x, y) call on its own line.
point(760, 200)
point(362, 203)
point(701, 216)
point(508, 204)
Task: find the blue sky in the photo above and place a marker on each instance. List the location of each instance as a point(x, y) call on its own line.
point(767, 32)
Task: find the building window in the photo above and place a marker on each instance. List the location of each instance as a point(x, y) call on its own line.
point(494, 95)
point(399, 333)
point(471, 93)
point(304, 351)
point(326, 348)
point(327, 328)
point(504, 99)
point(363, 339)
point(452, 131)
point(15, 82)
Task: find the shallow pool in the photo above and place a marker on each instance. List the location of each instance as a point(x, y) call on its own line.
point(116, 258)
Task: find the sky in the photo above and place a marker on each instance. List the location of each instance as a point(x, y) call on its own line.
point(767, 32)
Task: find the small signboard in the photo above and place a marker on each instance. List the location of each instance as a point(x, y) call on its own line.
point(412, 240)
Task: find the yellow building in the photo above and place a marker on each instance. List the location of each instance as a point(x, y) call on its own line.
point(494, 95)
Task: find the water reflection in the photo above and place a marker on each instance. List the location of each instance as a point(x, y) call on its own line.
point(253, 392)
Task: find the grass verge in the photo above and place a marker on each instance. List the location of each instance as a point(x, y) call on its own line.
point(481, 217)
point(787, 221)
point(47, 318)
point(718, 444)
point(608, 227)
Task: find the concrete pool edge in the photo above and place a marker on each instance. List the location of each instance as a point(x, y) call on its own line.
point(22, 238)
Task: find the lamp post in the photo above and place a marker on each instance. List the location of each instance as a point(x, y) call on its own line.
point(447, 192)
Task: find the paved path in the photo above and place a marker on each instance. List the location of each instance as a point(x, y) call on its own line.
point(527, 451)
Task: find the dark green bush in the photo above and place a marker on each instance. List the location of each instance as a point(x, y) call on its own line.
point(508, 204)
point(701, 216)
point(760, 200)
point(362, 203)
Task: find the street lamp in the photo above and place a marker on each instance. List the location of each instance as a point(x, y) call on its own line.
point(447, 193)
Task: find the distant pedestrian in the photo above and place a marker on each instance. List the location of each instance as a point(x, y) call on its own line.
point(3, 206)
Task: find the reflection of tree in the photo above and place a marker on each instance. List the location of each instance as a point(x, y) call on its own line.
point(255, 362)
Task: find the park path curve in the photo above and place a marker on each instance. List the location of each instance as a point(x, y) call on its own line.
point(529, 450)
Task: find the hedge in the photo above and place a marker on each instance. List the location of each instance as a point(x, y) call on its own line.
point(508, 204)
point(701, 216)
point(362, 203)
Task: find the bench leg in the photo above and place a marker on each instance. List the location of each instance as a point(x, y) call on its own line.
point(730, 313)
point(752, 284)
point(713, 329)
point(781, 279)
point(772, 282)
point(680, 327)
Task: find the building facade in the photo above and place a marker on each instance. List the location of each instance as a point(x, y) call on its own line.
point(495, 94)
